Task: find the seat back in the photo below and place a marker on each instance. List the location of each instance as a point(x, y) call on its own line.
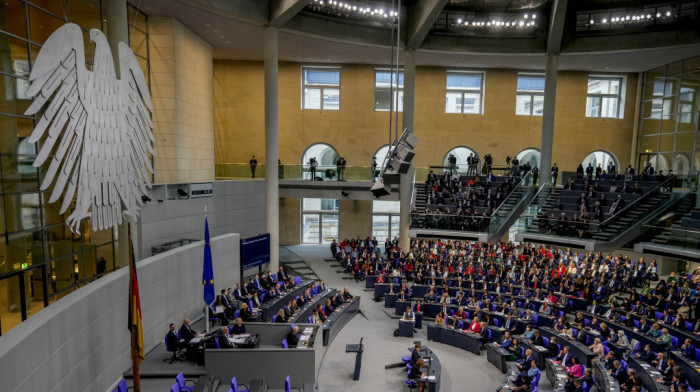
point(234, 385)
point(636, 345)
point(546, 341)
point(216, 341)
point(636, 323)
point(292, 326)
point(674, 341)
point(605, 350)
point(284, 343)
point(623, 364)
point(167, 346)
point(311, 320)
point(697, 354)
point(121, 387)
point(180, 378)
point(534, 319)
point(495, 322)
point(489, 332)
point(236, 314)
point(175, 388)
point(297, 280)
point(274, 318)
point(287, 385)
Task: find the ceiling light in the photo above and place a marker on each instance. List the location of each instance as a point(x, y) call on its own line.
point(658, 15)
point(459, 20)
point(605, 20)
point(592, 21)
point(534, 16)
point(668, 13)
point(525, 16)
point(521, 23)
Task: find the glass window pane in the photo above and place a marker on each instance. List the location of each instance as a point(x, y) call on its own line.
point(61, 241)
point(41, 24)
point(21, 248)
point(394, 226)
point(593, 107)
point(453, 102)
point(322, 77)
point(472, 103)
point(63, 275)
point(331, 99)
point(34, 291)
point(312, 98)
point(400, 98)
point(310, 230)
point(21, 211)
point(86, 14)
point(538, 105)
point(10, 307)
point(138, 42)
point(603, 86)
point(463, 81)
point(15, 56)
point(13, 19)
point(609, 107)
point(329, 228)
point(382, 78)
point(531, 83)
point(385, 206)
point(522, 104)
point(380, 227)
point(382, 99)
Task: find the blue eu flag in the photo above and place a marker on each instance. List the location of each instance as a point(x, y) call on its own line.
point(208, 276)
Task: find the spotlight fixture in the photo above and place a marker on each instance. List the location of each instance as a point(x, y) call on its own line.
point(397, 162)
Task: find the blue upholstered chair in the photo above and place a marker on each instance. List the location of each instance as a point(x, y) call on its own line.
point(234, 386)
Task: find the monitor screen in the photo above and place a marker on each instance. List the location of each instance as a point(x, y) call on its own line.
point(255, 251)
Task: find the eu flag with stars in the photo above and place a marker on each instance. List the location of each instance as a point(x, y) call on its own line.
point(208, 276)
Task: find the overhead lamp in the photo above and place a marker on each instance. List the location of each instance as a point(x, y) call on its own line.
point(605, 20)
point(534, 16)
point(668, 13)
point(526, 16)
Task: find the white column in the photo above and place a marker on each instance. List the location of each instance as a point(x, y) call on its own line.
point(550, 94)
point(272, 206)
point(406, 186)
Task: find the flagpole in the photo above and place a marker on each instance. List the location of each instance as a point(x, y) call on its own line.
point(134, 331)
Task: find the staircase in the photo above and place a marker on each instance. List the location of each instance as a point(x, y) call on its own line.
point(626, 218)
point(534, 226)
point(681, 212)
point(421, 196)
point(295, 265)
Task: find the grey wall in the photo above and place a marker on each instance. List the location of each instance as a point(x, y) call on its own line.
point(236, 207)
point(81, 342)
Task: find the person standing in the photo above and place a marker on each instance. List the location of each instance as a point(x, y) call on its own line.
point(555, 174)
point(253, 164)
point(312, 168)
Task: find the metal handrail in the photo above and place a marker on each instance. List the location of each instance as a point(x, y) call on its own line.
point(646, 196)
point(518, 185)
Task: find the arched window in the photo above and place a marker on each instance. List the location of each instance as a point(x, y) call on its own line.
point(659, 162)
point(461, 153)
point(380, 154)
point(326, 155)
point(601, 157)
point(529, 155)
point(681, 164)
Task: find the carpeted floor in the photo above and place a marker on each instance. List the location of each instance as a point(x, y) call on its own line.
point(461, 370)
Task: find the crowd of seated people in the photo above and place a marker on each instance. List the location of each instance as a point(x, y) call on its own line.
point(462, 203)
point(248, 297)
point(469, 279)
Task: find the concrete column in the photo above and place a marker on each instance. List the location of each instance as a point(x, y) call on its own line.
point(405, 188)
point(118, 31)
point(117, 26)
point(272, 207)
point(550, 95)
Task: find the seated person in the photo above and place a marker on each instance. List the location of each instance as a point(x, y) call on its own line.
point(660, 363)
point(564, 357)
point(507, 341)
point(245, 313)
point(531, 372)
point(316, 318)
point(687, 348)
point(546, 309)
point(618, 372)
point(537, 340)
point(509, 324)
point(460, 314)
point(408, 315)
point(222, 338)
point(645, 354)
point(186, 332)
point(418, 307)
point(415, 354)
point(529, 333)
point(575, 369)
point(416, 375)
point(609, 360)
point(559, 325)
point(238, 328)
point(514, 349)
point(321, 313)
point(440, 319)
point(293, 336)
point(174, 341)
point(329, 307)
point(339, 299)
point(281, 316)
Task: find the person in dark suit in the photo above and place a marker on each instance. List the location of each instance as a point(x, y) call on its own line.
point(564, 357)
point(293, 337)
point(339, 299)
point(174, 343)
point(281, 275)
point(223, 339)
point(660, 363)
point(186, 332)
point(415, 354)
point(537, 339)
point(618, 372)
point(553, 348)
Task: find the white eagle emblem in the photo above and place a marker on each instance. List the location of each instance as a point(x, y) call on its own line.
point(98, 128)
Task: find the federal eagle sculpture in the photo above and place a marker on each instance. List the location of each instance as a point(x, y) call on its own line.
point(98, 129)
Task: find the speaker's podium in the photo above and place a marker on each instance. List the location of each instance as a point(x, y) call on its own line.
point(356, 348)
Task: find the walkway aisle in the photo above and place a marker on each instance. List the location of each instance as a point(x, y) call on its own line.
point(461, 370)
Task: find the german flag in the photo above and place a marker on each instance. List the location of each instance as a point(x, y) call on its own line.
point(135, 324)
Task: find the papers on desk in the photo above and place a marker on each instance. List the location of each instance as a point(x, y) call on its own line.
point(219, 309)
point(196, 340)
point(308, 331)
